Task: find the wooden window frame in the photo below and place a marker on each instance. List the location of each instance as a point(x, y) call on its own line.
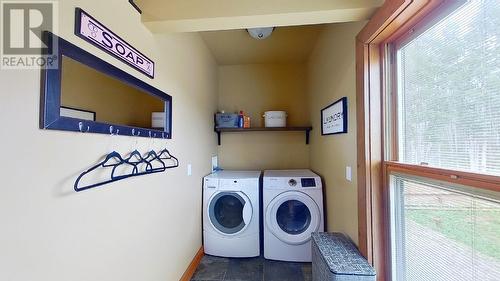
point(376, 137)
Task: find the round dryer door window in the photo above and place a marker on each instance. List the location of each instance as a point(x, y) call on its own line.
point(292, 216)
point(229, 212)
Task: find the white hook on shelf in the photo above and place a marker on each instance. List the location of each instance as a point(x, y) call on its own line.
point(80, 127)
point(138, 133)
point(111, 128)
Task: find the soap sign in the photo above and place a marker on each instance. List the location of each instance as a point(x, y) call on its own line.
point(334, 118)
point(89, 29)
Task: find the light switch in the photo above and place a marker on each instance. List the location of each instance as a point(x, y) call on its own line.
point(189, 170)
point(348, 173)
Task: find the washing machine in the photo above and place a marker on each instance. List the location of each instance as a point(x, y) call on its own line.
point(293, 209)
point(231, 213)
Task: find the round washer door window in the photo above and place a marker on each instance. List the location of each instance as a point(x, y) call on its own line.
point(229, 212)
point(292, 216)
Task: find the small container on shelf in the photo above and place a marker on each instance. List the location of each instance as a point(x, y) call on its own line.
point(226, 120)
point(241, 119)
point(275, 119)
point(246, 122)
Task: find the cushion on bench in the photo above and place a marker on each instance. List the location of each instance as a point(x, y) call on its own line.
point(336, 258)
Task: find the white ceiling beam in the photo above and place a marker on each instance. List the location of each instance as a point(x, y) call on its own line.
point(202, 15)
point(228, 23)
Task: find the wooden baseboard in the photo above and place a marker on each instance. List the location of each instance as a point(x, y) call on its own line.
point(193, 265)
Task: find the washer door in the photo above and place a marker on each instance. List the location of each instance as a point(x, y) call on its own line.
point(292, 216)
point(230, 212)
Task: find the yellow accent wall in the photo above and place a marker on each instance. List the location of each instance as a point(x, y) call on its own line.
point(113, 101)
point(145, 228)
point(257, 88)
point(331, 76)
point(302, 90)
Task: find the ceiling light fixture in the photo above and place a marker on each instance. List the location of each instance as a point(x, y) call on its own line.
point(260, 33)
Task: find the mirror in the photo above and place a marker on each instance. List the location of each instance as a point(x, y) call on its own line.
point(83, 89)
point(87, 94)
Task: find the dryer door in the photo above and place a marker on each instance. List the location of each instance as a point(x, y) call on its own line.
point(292, 216)
point(230, 212)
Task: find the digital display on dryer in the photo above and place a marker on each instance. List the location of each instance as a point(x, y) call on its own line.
point(308, 182)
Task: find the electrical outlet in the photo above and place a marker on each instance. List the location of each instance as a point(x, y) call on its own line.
point(348, 173)
point(189, 170)
point(215, 163)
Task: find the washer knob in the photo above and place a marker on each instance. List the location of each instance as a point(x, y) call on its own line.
point(292, 182)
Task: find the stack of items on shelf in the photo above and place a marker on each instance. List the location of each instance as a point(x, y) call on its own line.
point(232, 120)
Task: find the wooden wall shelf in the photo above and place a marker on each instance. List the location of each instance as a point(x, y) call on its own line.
point(219, 131)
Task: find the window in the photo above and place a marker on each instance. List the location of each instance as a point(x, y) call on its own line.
point(448, 78)
point(446, 127)
point(444, 232)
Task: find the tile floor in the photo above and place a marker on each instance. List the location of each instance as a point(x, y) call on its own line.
point(250, 269)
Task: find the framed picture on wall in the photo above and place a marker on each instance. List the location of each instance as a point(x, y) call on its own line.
point(334, 118)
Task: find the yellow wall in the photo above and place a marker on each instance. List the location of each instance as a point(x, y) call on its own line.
point(113, 101)
point(145, 228)
point(302, 90)
point(256, 89)
point(331, 72)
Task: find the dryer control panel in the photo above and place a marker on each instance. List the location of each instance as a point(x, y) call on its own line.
point(304, 182)
point(308, 182)
point(291, 183)
point(291, 179)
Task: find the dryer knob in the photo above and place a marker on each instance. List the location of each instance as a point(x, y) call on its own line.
point(292, 182)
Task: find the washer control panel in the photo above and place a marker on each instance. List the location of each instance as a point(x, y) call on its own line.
point(292, 182)
point(211, 183)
